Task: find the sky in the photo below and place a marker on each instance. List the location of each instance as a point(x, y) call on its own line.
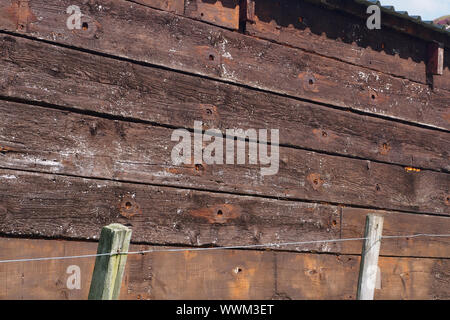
point(427, 9)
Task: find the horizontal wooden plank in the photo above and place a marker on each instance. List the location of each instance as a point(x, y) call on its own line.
point(400, 23)
point(224, 13)
point(176, 6)
point(396, 223)
point(68, 207)
point(161, 38)
point(69, 78)
point(87, 146)
point(215, 275)
point(338, 35)
point(57, 206)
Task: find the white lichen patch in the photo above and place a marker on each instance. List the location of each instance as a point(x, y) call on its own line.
point(8, 176)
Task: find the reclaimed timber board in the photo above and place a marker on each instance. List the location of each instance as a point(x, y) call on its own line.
point(400, 23)
point(82, 145)
point(224, 13)
point(341, 36)
point(57, 206)
point(157, 37)
point(68, 78)
point(175, 6)
point(230, 274)
point(53, 206)
point(396, 223)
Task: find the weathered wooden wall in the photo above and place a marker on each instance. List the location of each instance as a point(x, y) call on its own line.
point(85, 127)
point(224, 274)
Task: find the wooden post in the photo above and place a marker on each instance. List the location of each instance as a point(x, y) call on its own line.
point(108, 270)
point(435, 63)
point(369, 257)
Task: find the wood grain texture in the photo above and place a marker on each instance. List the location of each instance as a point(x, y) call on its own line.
point(223, 13)
point(175, 6)
point(68, 78)
point(341, 36)
point(106, 281)
point(86, 146)
point(217, 275)
point(368, 269)
point(396, 223)
point(443, 81)
point(400, 23)
point(67, 207)
point(158, 37)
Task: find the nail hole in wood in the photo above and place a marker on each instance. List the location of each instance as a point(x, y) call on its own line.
point(85, 26)
point(211, 57)
point(219, 213)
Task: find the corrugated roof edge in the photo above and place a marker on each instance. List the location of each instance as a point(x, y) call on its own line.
point(397, 20)
point(404, 14)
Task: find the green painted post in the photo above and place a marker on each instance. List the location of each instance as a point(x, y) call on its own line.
point(108, 270)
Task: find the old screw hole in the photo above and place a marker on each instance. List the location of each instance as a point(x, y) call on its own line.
point(211, 57)
point(128, 205)
point(378, 187)
point(238, 270)
point(311, 82)
point(198, 167)
point(85, 26)
point(219, 213)
point(208, 111)
point(373, 97)
point(324, 134)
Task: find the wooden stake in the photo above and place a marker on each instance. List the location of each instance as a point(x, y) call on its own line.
point(435, 64)
point(108, 270)
point(369, 257)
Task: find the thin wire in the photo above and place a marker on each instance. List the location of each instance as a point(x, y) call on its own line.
point(220, 248)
